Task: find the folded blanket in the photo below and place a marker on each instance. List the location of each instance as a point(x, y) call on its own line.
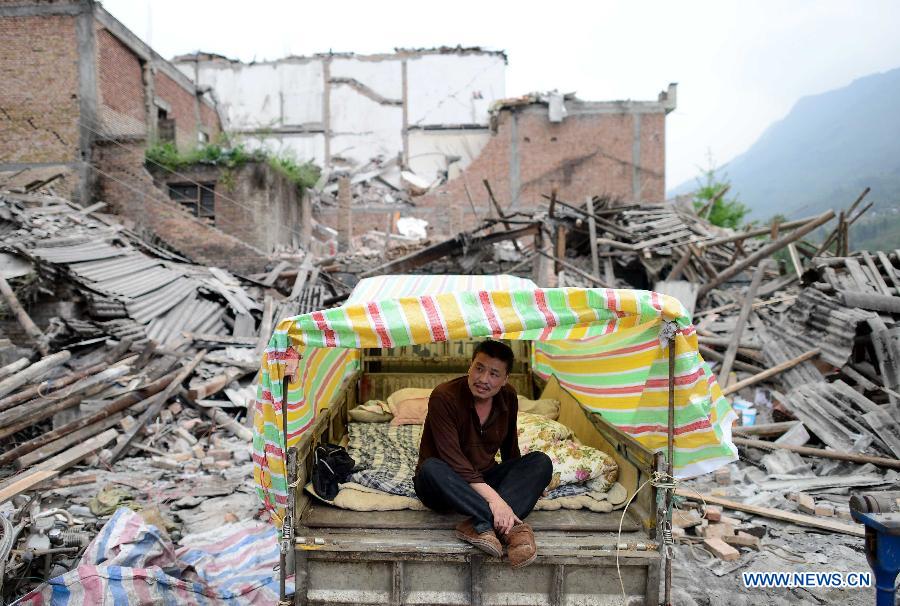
point(385, 455)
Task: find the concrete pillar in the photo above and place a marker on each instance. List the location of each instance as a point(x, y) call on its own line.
point(543, 272)
point(326, 107)
point(305, 221)
point(515, 179)
point(345, 215)
point(88, 91)
point(636, 157)
point(405, 83)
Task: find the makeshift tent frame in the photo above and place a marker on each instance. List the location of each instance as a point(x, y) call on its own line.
point(614, 320)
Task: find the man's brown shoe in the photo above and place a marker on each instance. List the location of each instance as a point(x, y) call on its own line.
point(486, 541)
point(521, 549)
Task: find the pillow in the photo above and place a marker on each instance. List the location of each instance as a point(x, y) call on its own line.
point(575, 463)
point(411, 411)
point(534, 428)
point(361, 415)
point(405, 394)
point(546, 408)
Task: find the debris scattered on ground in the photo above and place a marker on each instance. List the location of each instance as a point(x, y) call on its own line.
point(139, 390)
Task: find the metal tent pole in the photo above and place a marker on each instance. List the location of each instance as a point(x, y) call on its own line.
point(670, 470)
point(287, 525)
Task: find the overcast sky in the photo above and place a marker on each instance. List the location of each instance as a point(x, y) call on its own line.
point(739, 65)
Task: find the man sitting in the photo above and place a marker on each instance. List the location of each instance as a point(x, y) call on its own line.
point(469, 419)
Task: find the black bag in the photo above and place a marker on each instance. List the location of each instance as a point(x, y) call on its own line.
point(331, 466)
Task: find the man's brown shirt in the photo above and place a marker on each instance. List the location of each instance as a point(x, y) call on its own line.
point(454, 434)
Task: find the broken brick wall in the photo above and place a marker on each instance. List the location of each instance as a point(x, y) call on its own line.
point(122, 96)
point(130, 191)
point(252, 202)
point(607, 153)
point(39, 106)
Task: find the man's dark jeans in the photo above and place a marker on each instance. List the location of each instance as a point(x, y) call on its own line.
point(519, 482)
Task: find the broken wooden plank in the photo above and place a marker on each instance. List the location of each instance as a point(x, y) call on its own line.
point(744, 314)
point(890, 271)
point(822, 453)
point(273, 275)
point(57, 446)
point(35, 371)
point(771, 372)
point(573, 268)
point(154, 408)
point(880, 284)
point(680, 266)
point(227, 340)
point(54, 466)
point(23, 318)
point(447, 247)
point(135, 398)
point(592, 230)
point(766, 251)
point(776, 514)
point(13, 367)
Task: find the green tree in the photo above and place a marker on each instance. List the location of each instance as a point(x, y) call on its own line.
point(712, 202)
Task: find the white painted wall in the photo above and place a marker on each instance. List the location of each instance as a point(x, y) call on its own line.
point(453, 89)
point(429, 150)
point(442, 89)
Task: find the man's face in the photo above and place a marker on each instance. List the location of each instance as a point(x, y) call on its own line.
point(486, 376)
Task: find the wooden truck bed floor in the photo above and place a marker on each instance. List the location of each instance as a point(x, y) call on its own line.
point(325, 516)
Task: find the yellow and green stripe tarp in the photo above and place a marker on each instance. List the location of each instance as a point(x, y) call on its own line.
point(603, 345)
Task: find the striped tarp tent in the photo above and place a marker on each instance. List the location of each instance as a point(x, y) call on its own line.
point(604, 345)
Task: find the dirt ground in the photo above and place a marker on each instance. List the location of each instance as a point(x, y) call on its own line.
point(699, 579)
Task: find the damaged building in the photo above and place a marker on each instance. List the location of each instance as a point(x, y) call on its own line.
point(82, 100)
point(387, 118)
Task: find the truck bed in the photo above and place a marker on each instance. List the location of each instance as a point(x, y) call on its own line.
point(413, 557)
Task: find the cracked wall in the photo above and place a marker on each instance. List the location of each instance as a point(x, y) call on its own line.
point(613, 149)
point(429, 108)
point(39, 107)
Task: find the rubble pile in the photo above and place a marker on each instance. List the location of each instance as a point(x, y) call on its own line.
point(144, 380)
point(142, 383)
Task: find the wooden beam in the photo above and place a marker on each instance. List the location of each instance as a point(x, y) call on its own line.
point(159, 401)
point(23, 318)
point(226, 340)
point(135, 398)
point(766, 251)
point(821, 453)
point(447, 247)
point(771, 372)
point(762, 231)
point(776, 514)
point(731, 352)
point(765, 429)
point(685, 258)
point(592, 230)
point(52, 467)
point(574, 268)
point(35, 371)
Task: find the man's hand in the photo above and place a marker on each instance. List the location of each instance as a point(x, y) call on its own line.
point(504, 518)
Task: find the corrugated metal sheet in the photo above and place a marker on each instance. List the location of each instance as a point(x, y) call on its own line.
point(138, 294)
point(79, 252)
point(818, 320)
point(157, 303)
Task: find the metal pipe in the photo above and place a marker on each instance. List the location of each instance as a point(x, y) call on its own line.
point(282, 568)
point(670, 467)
